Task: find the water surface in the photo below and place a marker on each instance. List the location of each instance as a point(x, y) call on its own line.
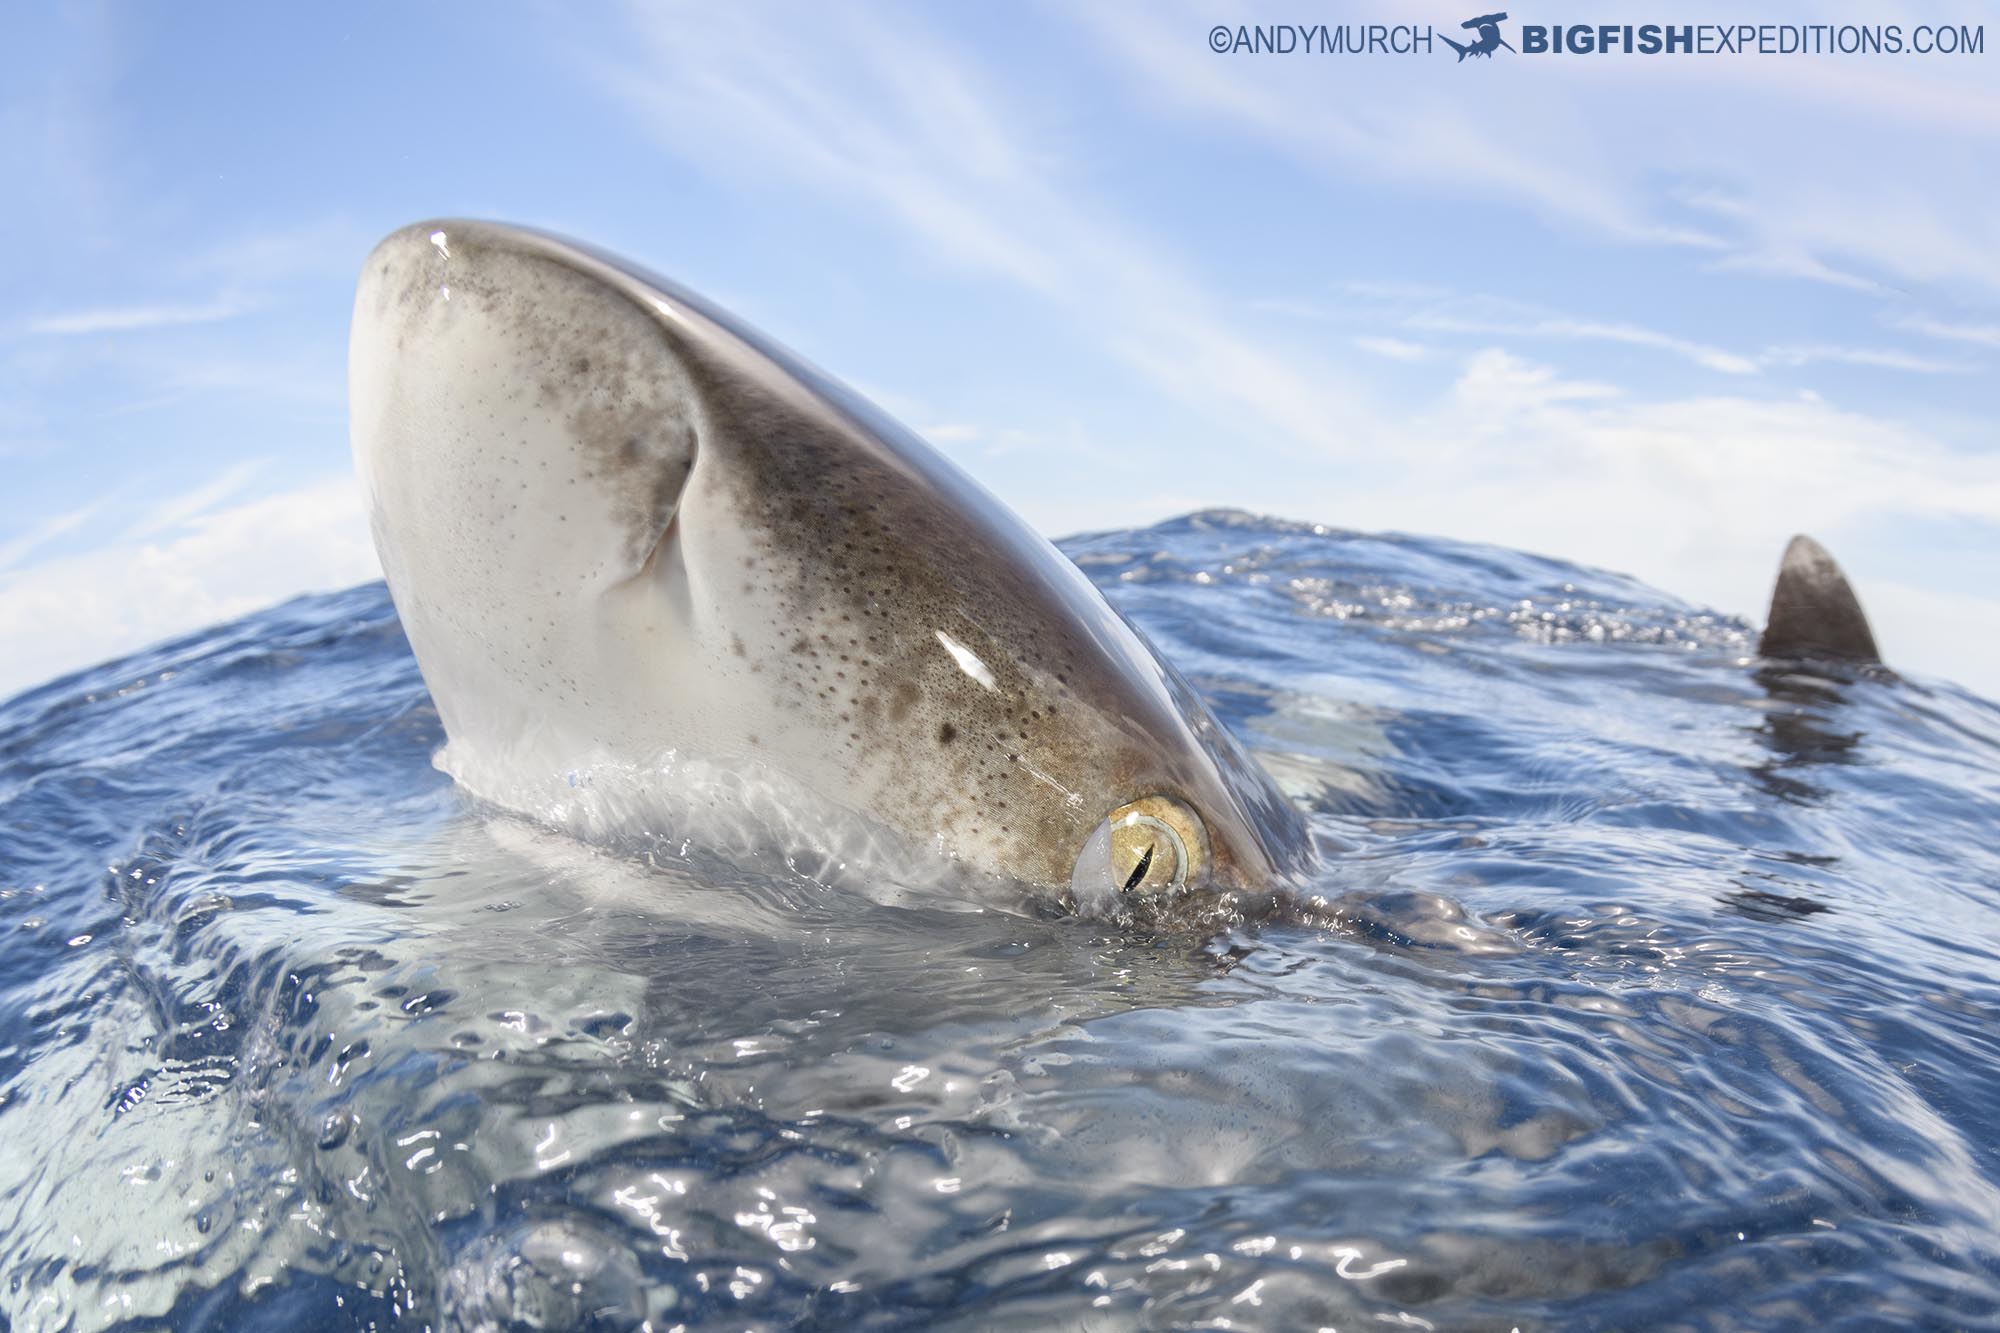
point(1651, 985)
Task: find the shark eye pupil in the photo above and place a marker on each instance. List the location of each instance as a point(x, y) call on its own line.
point(1149, 848)
point(1146, 854)
point(1139, 871)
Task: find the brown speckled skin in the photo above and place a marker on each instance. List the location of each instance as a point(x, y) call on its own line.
point(763, 568)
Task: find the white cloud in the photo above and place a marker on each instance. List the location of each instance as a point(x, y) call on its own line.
point(1435, 310)
point(1774, 260)
point(1697, 496)
point(1395, 349)
point(1438, 311)
point(1499, 390)
point(1980, 335)
point(1880, 358)
point(131, 319)
point(1585, 330)
point(1925, 625)
point(73, 610)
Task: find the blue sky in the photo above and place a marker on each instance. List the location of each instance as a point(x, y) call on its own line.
point(1649, 314)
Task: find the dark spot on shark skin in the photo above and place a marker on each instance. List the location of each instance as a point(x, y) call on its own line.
point(947, 733)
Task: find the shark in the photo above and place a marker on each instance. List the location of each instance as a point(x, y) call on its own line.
point(625, 534)
point(635, 544)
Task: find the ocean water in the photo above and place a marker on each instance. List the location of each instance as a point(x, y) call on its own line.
point(1645, 984)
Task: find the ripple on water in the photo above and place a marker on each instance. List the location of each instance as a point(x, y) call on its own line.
point(1643, 986)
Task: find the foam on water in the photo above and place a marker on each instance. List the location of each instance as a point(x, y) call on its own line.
point(1645, 984)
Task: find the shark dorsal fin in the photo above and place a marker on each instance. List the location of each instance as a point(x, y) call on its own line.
point(1814, 613)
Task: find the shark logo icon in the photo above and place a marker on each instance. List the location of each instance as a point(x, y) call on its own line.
point(1490, 40)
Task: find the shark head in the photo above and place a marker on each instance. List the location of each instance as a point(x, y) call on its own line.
point(626, 533)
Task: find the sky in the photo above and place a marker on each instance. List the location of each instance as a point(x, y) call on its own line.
point(1651, 314)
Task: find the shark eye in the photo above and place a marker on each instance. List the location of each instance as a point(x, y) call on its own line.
point(1152, 847)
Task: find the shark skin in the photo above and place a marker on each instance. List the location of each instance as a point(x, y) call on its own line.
point(626, 534)
point(1814, 612)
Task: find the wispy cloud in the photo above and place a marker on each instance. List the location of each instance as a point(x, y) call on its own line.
point(892, 119)
point(1394, 349)
point(50, 529)
point(1880, 358)
point(177, 510)
point(1980, 335)
point(1744, 174)
point(1435, 310)
point(119, 522)
point(1791, 261)
point(1440, 133)
point(1585, 330)
point(134, 318)
point(262, 257)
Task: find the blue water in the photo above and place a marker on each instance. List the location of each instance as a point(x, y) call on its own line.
point(1645, 985)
